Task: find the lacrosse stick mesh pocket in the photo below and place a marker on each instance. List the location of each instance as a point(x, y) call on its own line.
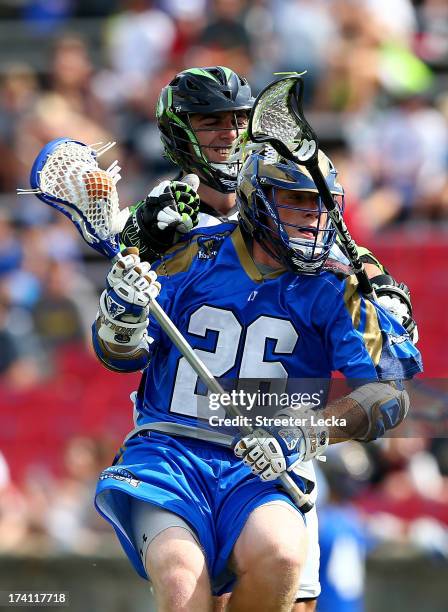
point(272, 116)
point(71, 174)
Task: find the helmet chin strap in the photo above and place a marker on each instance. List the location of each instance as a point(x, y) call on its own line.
point(308, 248)
point(230, 169)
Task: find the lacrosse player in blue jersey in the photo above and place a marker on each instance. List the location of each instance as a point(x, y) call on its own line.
point(255, 300)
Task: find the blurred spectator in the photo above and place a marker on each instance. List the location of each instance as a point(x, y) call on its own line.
point(342, 535)
point(259, 23)
point(410, 496)
point(45, 15)
point(302, 29)
point(50, 117)
point(57, 313)
point(395, 18)
point(18, 365)
point(404, 149)
point(71, 520)
point(10, 246)
point(70, 77)
point(225, 28)
point(18, 344)
point(139, 41)
point(224, 40)
point(432, 44)
point(18, 91)
point(13, 512)
point(189, 20)
point(351, 79)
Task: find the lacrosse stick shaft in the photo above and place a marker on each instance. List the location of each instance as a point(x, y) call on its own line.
point(342, 230)
point(300, 499)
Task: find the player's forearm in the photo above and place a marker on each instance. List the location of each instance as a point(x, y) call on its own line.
point(366, 413)
point(372, 270)
point(346, 420)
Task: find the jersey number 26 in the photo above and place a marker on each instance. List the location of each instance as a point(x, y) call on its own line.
point(223, 358)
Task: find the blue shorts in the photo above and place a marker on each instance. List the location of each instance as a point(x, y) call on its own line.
point(206, 485)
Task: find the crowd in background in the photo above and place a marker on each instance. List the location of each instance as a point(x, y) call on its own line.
point(377, 95)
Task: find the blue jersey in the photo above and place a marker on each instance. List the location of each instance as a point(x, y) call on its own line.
point(344, 544)
point(244, 325)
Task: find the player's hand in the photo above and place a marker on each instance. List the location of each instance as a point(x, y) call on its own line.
point(272, 450)
point(131, 285)
point(172, 207)
point(396, 299)
point(266, 455)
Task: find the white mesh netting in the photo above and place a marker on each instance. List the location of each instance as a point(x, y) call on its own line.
point(71, 173)
point(272, 116)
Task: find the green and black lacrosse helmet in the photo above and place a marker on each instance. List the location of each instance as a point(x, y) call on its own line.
point(201, 91)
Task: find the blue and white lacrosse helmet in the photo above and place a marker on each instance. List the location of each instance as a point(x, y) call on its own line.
point(301, 245)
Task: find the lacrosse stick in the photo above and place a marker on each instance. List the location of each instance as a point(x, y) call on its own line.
point(66, 176)
point(277, 119)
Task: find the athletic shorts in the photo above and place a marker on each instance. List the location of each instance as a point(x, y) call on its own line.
point(309, 576)
point(206, 485)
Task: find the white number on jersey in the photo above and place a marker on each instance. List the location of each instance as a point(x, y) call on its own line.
point(224, 356)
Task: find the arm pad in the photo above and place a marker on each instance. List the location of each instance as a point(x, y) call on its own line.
point(385, 404)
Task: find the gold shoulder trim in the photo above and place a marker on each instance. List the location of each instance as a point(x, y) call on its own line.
point(180, 260)
point(246, 261)
point(371, 333)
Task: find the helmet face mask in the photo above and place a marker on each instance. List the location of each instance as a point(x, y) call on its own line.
point(281, 208)
point(199, 94)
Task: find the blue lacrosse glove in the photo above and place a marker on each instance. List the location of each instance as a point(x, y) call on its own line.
point(131, 285)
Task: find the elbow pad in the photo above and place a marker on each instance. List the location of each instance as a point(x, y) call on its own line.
point(385, 404)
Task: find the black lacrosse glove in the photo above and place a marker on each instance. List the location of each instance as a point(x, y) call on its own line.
point(172, 208)
point(396, 299)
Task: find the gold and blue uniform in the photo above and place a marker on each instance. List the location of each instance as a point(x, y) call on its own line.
point(243, 325)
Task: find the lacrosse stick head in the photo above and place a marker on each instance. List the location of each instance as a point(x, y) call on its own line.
point(277, 119)
point(66, 176)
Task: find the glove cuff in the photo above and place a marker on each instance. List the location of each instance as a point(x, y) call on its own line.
point(117, 331)
point(154, 245)
point(315, 437)
point(384, 284)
